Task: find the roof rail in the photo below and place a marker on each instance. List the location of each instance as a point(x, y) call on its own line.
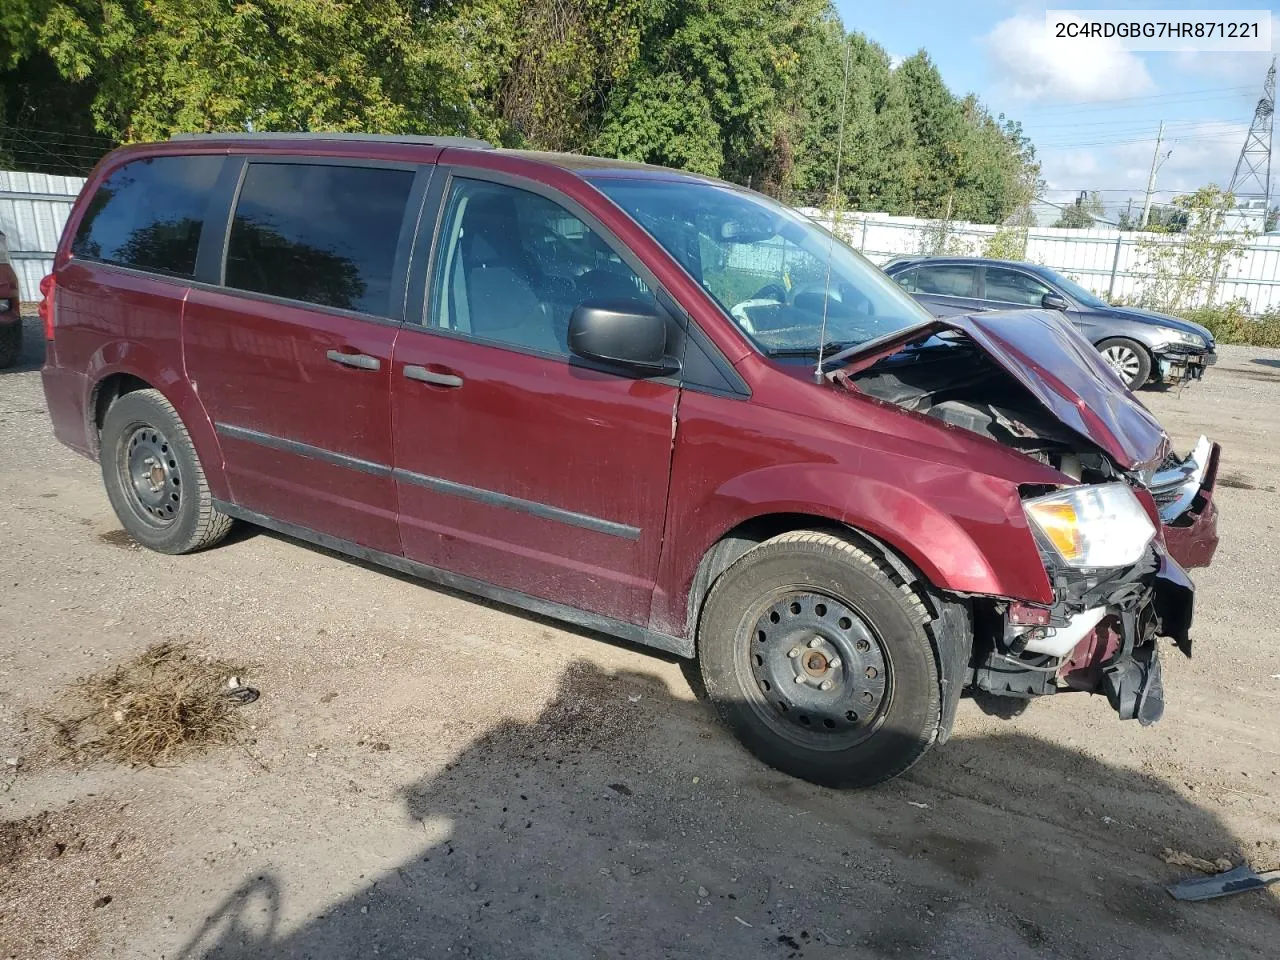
point(470, 142)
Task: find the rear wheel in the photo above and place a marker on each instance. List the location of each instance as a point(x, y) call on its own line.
point(10, 343)
point(153, 476)
point(1129, 359)
point(818, 658)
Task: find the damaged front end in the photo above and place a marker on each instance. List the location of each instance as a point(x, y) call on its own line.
point(1031, 382)
point(1099, 636)
point(1114, 536)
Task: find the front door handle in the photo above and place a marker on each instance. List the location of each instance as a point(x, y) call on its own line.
point(436, 379)
point(361, 360)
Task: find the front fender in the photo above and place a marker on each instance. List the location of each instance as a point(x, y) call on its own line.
point(963, 530)
point(137, 360)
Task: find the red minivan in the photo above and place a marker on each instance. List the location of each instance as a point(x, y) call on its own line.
point(651, 403)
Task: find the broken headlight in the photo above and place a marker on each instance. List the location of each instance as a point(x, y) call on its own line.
point(1099, 525)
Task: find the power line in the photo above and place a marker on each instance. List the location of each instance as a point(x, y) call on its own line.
point(1129, 103)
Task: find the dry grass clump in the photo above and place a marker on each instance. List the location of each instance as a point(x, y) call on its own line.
point(164, 702)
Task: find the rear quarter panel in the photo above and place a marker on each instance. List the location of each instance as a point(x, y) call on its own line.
point(111, 320)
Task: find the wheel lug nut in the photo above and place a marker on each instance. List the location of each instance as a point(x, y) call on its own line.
point(793, 652)
point(799, 678)
point(833, 662)
point(863, 646)
point(825, 685)
point(815, 642)
point(872, 673)
point(867, 697)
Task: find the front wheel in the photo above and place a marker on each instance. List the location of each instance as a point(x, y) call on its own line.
point(1129, 359)
point(817, 657)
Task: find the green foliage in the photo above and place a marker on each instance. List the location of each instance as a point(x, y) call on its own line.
point(666, 120)
point(1007, 243)
point(751, 90)
point(938, 240)
point(1229, 323)
point(1082, 214)
point(1184, 272)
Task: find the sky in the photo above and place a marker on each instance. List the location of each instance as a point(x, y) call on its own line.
point(1092, 112)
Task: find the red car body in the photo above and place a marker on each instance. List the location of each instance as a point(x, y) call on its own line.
point(565, 489)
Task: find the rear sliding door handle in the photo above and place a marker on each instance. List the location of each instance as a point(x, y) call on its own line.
point(361, 360)
point(436, 379)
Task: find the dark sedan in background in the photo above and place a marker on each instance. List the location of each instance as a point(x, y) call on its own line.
point(1140, 345)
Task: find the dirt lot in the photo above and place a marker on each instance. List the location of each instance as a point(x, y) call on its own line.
point(431, 776)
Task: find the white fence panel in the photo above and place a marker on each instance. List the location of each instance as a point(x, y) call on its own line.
point(1106, 261)
point(33, 210)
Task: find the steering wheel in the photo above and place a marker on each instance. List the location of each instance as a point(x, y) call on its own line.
point(771, 291)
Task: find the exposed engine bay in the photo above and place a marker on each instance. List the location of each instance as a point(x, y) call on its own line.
point(953, 380)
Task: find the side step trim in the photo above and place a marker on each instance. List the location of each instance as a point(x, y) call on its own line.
point(593, 621)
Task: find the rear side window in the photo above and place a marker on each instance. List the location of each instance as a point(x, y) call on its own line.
point(319, 233)
point(149, 215)
point(943, 280)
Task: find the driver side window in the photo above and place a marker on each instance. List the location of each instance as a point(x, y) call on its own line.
point(1014, 286)
point(512, 265)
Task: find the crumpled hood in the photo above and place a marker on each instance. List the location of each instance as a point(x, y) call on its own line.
point(1161, 319)
point(1065, 372)
point(1059, 368)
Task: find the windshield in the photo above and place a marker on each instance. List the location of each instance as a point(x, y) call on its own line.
point(1075, 291)
point(775, 272)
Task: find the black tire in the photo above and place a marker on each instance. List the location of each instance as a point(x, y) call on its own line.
point(1129, 359)
point(153, 476)
point(10, 343)
point(829, 737)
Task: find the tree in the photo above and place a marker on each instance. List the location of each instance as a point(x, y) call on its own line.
point(1083, 213)
point(208, 65)
point(751, 90)
point(1184, 272)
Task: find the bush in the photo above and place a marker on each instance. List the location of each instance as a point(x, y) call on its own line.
point(1229, 323)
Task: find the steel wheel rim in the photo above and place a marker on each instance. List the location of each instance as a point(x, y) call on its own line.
point(815, 670)
point(1123, 360)
point(149, 476)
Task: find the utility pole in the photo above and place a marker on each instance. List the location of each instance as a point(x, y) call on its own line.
point(1151, 179)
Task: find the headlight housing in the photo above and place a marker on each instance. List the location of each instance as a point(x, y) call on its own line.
point(1182, 336)
point(1101, 525)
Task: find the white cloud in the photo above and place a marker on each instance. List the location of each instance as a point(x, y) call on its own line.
point(1201, 154)
point(1035, 67)
point(1243, 68)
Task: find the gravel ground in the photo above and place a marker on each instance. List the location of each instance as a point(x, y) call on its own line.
point(432, 776)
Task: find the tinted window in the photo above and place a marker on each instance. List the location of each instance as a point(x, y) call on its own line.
point(512, 265)
point(148, 214)
point(1014, 286)
point(323, 234)
point(943, 280)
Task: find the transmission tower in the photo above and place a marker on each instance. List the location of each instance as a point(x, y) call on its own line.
point(1251, 181)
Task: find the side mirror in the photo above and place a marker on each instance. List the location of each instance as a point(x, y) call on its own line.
point(1054, 301)
point(625, 333)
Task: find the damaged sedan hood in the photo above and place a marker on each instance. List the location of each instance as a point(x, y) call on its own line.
point(1059, 368)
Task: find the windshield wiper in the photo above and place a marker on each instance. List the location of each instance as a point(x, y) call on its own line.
point(830, 347)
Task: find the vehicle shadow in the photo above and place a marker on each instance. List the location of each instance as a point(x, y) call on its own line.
point(623, 822)
point(1266, 362)
point(242, 530)
point(31, 356)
